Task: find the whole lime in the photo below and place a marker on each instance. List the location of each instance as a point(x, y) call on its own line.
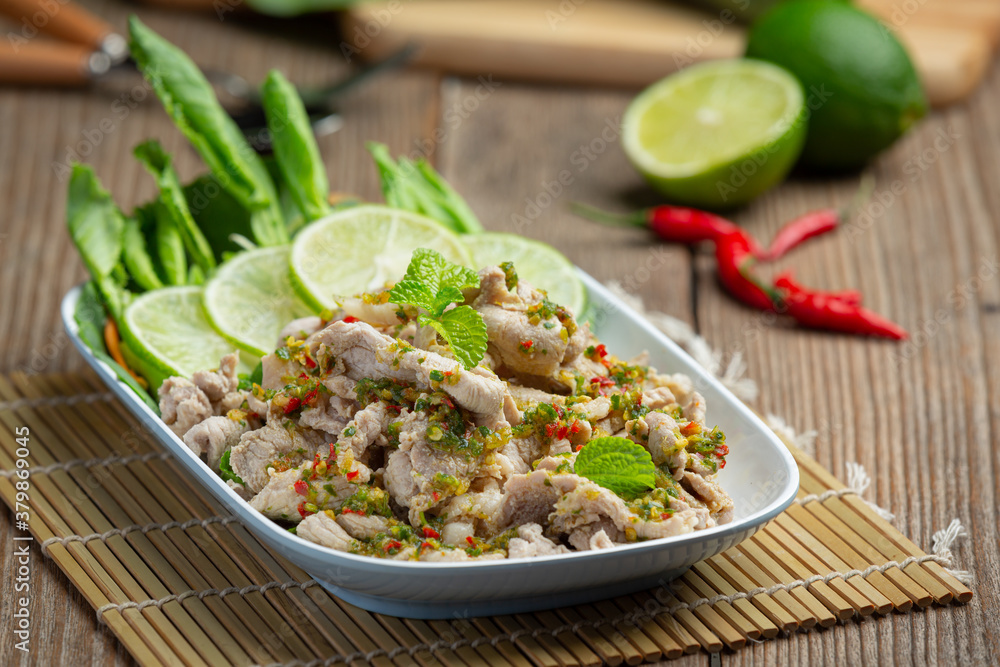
point(861, 88)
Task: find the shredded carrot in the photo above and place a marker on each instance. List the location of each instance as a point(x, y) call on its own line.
point(112, 340)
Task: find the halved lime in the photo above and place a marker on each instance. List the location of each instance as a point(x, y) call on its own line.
point(166, 333)
point(251, 298)
point(717, 134)
point(538, 263)
point(361, 249)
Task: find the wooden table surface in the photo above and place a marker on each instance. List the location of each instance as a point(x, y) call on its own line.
point(922, 417)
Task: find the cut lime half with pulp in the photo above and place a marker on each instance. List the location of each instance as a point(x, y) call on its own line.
point(717, 134)
point(362, 249)
point(538, 263)
point(250, 299)
point(166, 333)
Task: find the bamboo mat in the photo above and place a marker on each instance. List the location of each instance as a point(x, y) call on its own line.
point(181, 582)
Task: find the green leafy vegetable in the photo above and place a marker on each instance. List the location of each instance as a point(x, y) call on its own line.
point(226, 469)
point(256, 377)
point(90, 317)
point(295, 148)
point(97, 228)
point(173, 204)
point(137, 258)
point(432, 283)
point(190, 101)
point(413, 185)
point(169, 247)
point(218, 214)
point(296, 7)
point(617, 464)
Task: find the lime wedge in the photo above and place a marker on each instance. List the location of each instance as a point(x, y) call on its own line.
point(717, 134)
point(363, 248)
point(250, 299)
point(538, 263)
point(166, 333)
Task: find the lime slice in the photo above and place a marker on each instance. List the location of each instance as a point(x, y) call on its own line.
point(250, 299)
point(166, 333)
point(363, 248)
point(538, 263)
point(717, 134)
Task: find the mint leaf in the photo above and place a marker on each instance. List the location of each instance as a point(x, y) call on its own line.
point(617, 464)
point(412, 292)
point(465, 331)
point(433, 283)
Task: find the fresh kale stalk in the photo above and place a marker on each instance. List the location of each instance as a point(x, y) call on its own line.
point(295, 149)
point(190, 101)
point(414, 185)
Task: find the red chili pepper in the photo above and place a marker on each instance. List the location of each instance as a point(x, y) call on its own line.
point(310, 396)
point(821, 310)
point(666, 515)
point(470, 540)
point(310, 363)
point(670, 223)
point(801, 229)
point(575, 428)
point(426, 545)
point(562, 432)
point(394, 544)
point(350, 319)
point(691, 428)
point(436, 496)
point(353, 475)
point(430, 532)
point(303, 512)
point(734, 255)
point(301, 487)
point(292, 405)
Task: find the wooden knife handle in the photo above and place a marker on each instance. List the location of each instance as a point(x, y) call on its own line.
point(62, 19)
point(47, 63)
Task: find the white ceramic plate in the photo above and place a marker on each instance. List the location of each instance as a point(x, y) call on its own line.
point(761, 476)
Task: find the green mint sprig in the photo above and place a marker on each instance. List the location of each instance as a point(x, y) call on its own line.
point(617, 464)
point(432, 283)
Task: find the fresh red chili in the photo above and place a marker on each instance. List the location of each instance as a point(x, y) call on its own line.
point(292, 405)
point(801, 229)
point(301, 488)
point(350, 319)
point(670, 223)
point(734, 255)
point(823, 310)
point(430, 532)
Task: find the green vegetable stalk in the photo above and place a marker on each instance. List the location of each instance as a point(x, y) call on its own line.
point(295, 148)
point(173, 206)
point(190, 101)
point(414, 185)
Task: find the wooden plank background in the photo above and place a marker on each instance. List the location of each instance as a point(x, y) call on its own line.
point(921, 418)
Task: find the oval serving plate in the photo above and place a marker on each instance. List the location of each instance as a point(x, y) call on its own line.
point(761, 477)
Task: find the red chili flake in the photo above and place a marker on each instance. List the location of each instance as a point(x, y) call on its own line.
point(310, 396)
point(394, 544)
point(303, 512)
point(579, 447)
point(472, 542)
point(575, 428)
point(601, 350)
point(721, 450)
point(310, 363)
point(292, 405)
point(691, 428)
point(666, 515)
point(301, 487)
point(527, 344)
point(722, 464)
point(353, 475)
point(430, 532)
point(562, 432)
point(350, 319)
point(550, 430)
point(348, 510)
point(560, 411)
point(436, 496)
